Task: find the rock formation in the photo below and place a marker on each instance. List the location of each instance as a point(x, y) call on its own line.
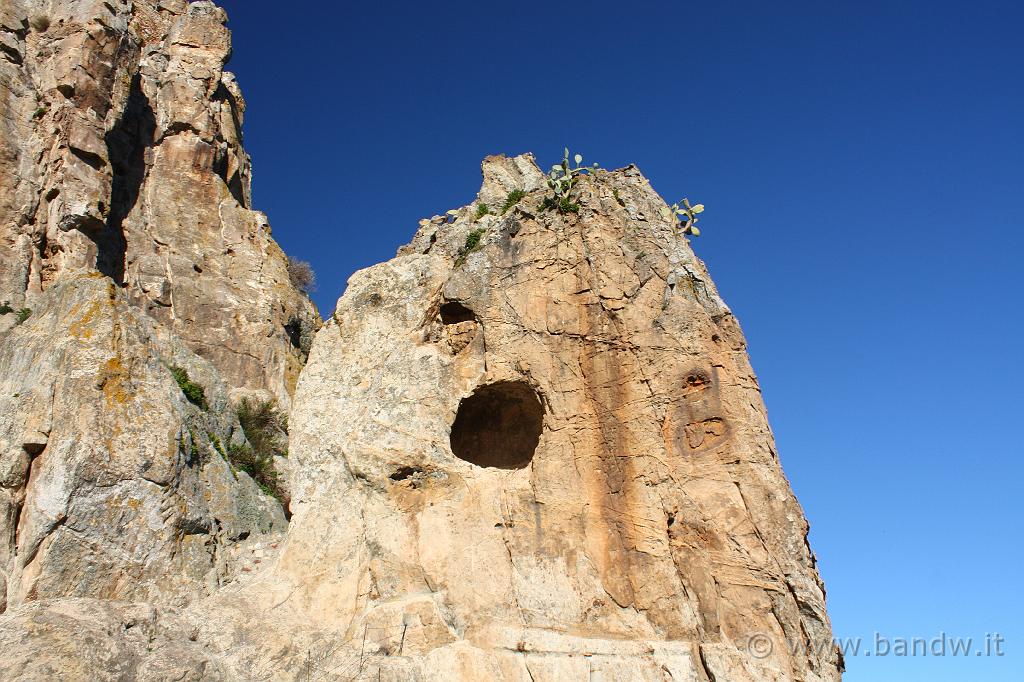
point(547, 457)
point(529, 447)
point(129, 249)
point(120, 151)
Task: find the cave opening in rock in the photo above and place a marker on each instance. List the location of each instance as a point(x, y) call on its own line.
point(498, 426)
point(454, 312)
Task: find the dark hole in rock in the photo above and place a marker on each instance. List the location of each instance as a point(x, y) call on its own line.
point(498, 426)
point(698, 381)
point(454, 312)
point(294, 331)
point(404, 473)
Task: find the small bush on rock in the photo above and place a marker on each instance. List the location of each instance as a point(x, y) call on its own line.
point(473, 240)
point(513, 198)
point(562, 180)
point(194, 393)
point(685, 216)
point(301, 275)
point(24, 314)
point(265, 428)
point(263, 424)
point(260, 467)
point(482, 210)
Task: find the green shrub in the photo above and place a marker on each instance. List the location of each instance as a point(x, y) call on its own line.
point(618, 199)
point(217, 445)
point(564, 205)
point(471, 245)
point(39, 113)
point(473, 240)
point(482, 210)
point(193, 391)
point(24, 314)
point(260, 467)
point(195, 455)
point(265, 428)
point(513, 198)
point(264, 425)
point(5, 308)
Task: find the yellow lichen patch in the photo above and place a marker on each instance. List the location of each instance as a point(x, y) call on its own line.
point(83, 328)
point(113, 381)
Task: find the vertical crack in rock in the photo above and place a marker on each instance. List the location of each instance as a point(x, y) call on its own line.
point(127, 143)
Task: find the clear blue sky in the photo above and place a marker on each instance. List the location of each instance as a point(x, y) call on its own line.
point(863, 168)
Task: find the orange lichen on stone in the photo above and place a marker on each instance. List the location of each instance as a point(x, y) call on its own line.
point(112, 381)
point(83, 328)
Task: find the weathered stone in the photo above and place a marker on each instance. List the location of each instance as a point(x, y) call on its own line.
point(125, 231)
point(114, 485)
point(120, 151)
point(543, 456)
point(92, 639)
point(651, 526)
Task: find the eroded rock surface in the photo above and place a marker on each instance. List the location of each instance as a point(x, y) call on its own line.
point(538, 453)
point(128, 248)
point(548, 458)
point(121, 152)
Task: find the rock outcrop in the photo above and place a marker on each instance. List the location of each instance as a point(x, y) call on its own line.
point(120, 152)
point(547, 457)
point(129, 249)
point(529, 447)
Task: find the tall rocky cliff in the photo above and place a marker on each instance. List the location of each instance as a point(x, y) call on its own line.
point(129, 248)
point(529, 447)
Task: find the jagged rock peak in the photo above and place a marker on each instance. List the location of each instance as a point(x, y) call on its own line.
point(533, 444)
point(121, 152)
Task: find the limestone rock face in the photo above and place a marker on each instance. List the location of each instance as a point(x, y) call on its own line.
point(112, 483)
point(529, 447)
point(127, 248)
point(547, 458)
point(121, 152)
point(90, 639)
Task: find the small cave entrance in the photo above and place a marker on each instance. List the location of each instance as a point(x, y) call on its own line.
point(454, 312)
point(498, 426)
point(294, 331)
